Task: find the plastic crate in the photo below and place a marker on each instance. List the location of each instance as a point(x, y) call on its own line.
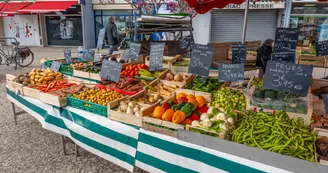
point(87, 106)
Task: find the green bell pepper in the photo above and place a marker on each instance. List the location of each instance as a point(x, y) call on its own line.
point(188, 109)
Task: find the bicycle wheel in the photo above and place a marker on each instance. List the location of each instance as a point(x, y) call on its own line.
point(26, 60)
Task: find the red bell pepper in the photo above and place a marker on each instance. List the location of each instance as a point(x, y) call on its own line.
point(183, 99)
point(166, 106)
point(202, 109)
point(193, 117)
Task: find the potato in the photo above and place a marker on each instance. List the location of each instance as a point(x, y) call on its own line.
point(37, 76)
point(41, 80)
point(33, 70)
point(32, 73)
point(51, 74)
point(49, 78)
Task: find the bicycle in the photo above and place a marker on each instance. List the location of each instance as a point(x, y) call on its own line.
point(21, 56)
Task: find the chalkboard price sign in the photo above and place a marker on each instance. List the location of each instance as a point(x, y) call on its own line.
point(201, 60)
point(156, 56)
point(288, 77)
point(286, 40)
point(134, 51)
point(55, 65)
point(322, 48)
point(111, 70)
point(325, 101)
point(88, 55)
point(43, 66)
point(239, 52)
point(101, 37)
point(97, 58)
point(283, 57)
point(186, 41)
point(67, 55)
point(231, 72)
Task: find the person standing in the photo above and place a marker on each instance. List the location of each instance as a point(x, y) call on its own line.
point(263, 55)
point(111, 36)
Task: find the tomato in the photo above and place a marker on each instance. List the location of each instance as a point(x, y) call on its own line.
point(122, 73)
point(136, 73)
point(136, 69)
point(132, 73)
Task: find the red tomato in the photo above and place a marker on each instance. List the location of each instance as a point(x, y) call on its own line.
point(132, 73)
point(137, 73)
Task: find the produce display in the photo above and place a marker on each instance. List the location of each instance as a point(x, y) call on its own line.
point(160, 88)
point(277, 133)
point(98, 96)
point(23, 79)
point(228, 98)
point(79, 64)
point(52, 86)
point(322, 147)
point(69, 91)
point(204, 84)
point(176, 77)
point(130, 108)
point(149, 99)
point(92, 69)
point(133, 70)
point(181, 62)
point(318, 120)
point(127, 84)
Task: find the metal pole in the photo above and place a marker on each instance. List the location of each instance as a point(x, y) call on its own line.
point(288, 10)
point(245, 21)
point(135, 25)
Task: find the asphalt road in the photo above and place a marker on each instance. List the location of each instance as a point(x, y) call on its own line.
point(28, 148)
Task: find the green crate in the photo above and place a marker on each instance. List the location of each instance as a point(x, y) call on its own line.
point(65, 68)
point(83, 105)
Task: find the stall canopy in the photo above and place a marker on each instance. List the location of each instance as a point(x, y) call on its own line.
point(203, 6)
point(46, 7)
point(10, 8)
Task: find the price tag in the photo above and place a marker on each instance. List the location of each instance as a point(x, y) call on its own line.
point(231, 72)
point(201, 60)
point(325, 101)
point(156, 56)
point(286, 40)
point(101, 37)
point(284, 57)
point(55, 65)
point(239, 52)
point(186, 41)
point(288, 77)
point(97, 58)
point(134, 51)
point(111, 70)
point(67, 55)
point(322, 48)
point(43, 66)
point(88, 55)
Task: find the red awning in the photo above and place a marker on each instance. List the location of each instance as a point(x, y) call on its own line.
point(11, 7)
point(48, 6)
point(6, 15)
point(203, 6)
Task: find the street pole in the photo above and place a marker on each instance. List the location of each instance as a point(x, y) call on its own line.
point(245, 21)
point(135, 25)
point(288, 10)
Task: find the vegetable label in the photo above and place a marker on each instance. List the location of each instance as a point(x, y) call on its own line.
point(101, 37)
point(186, 41)
point(156, 56)
point(111, 70)
point(231, 72)
point(134, 51)
point(288, 77)
point(322, 48)
point(284, 57)
point(286, 40)
point(55, 65)
point(67, 55)
point(201, 60)
point(88, 55)
point(325, 101)
point(97, 58)
point(43, 66)
point(239, 52)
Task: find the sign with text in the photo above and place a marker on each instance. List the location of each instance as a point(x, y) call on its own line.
point(156, 56)
point(186, 41)
point(43, 66)
point(111, 70)
point(101, 37)
point(287, 77)
point(201, 60)
point(88, 55)
point(231, 72)
point(239, 52)
point(67, 55)
point(134, 51)
point(97, 58)
point(286, 40)
point(322, 48)
point(55, 65)
point(325, 101)
point(284, 57)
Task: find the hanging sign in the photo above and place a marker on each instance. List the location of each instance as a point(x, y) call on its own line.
point(284, 57)
point(67, 55)
point(201, 60)
point(286, 40)
point(288, 77)
point(55, 65)
point(231, 72)
point(325, 101)
point(186, 41)
point(239, 52)
point(111, 70)
point(156, 56)
point(88, 55)
point(322, 48)
point(101, 37)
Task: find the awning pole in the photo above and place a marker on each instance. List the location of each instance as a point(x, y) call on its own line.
point(245, 22)
point(288, 10)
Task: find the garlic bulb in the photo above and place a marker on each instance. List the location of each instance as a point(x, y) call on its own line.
point(230, 120)
point(195, 123)
point(221, 116)
point(204, 116)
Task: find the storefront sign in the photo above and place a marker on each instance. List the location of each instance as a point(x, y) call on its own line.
point(288, 77)
point(322, 48)
point(283, 57)
point(259, 5)
point(156, 56)
point(231, 72)
point(239, 52)
point(286, 40)
point(111, 70)
point(201, 60)
point(6, 15)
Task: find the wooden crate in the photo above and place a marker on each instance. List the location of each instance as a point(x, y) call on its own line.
point(53, 99)
point(203, 131)
point(160, 126)
point(154, 83)
point(318, 104)
point(167, 58)
point(80, 73)
point(31, 92)
point(145, 93)
point(320, 159)
point(173, 83)
point(312, 60)
point(178, 69)
point(95, 76)
point(15, 87)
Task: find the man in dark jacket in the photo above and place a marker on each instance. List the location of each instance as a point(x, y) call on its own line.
point(111, 36)
point(263, 55)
